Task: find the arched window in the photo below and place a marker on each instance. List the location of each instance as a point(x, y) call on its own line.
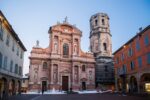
point(44, 65)
point(83, 68)
point(65, 49)
point(105, 46)
point(103, 22)
point(1, 60)
point(96, 22)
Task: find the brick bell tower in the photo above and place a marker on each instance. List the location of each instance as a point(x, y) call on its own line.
point(101, 46)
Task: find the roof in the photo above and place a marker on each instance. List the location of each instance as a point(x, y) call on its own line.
point(145, 29)
point(13, 33)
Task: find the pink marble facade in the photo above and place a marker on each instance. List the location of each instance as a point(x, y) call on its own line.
point(63, 57)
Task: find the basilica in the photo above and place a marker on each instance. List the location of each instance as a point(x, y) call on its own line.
point(62, 65)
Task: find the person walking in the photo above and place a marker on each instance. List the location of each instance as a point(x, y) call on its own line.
point(42, 90)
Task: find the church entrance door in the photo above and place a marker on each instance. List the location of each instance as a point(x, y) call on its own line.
point(83, 85)
point(65, 83)
point(44, 85)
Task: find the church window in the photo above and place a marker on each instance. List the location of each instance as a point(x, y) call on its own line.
point(65, 49)
point(105, 46)
point(44, 65)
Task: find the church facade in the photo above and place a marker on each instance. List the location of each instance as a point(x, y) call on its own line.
point(62, 65)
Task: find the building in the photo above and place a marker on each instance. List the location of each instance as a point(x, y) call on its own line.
point(11, 59)
point(25, 83)
point(101, 46)
point(132, 64)
point(62, 65)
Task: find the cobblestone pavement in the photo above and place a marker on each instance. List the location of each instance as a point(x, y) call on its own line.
point(106, 96)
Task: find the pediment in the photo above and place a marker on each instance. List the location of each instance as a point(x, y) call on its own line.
point(65, 71)
point(83, 79)
point(44, 78)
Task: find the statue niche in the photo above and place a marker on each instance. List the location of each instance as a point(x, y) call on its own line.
point(55, 73)
point(76, 47)
point(56, 44)
point(35, 75)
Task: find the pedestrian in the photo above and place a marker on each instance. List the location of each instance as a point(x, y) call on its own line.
point(42, 91)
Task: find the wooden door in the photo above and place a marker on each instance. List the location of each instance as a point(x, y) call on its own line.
point(65, 83)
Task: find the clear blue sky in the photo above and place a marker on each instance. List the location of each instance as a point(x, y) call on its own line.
point(31, 19)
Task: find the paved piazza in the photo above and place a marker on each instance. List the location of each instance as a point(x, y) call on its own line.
point(78, 97)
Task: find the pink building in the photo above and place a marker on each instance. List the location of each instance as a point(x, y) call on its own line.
point(62, 65)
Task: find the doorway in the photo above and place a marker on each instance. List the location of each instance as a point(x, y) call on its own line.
point(65, 83)
point(83, 85)
point(44, 85)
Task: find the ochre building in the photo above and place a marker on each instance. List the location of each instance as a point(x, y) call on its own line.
point(62, 65)
point(132, 64)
